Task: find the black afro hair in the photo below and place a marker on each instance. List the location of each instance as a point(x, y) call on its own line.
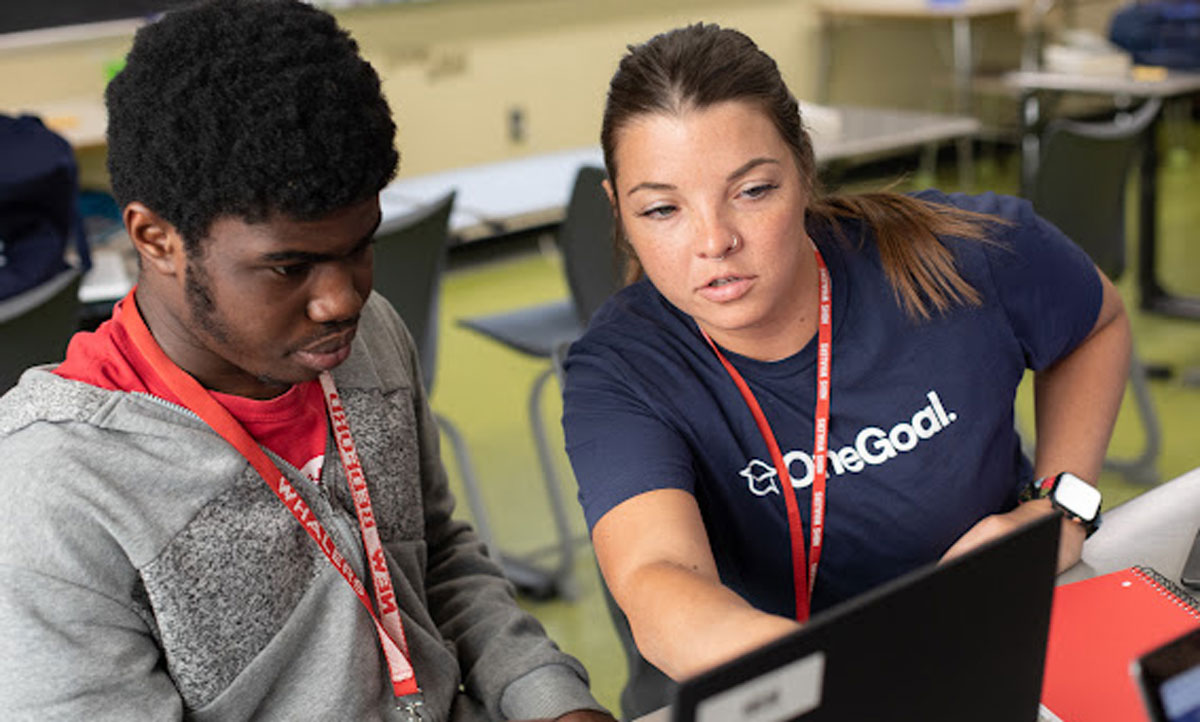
point(246, 108)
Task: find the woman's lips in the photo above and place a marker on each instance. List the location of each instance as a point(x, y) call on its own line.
point(724, 289)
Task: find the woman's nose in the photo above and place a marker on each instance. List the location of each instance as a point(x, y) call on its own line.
point(716, 237)
point(719, 241)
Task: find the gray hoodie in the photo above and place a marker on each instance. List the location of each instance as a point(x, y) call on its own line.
point(148, 572)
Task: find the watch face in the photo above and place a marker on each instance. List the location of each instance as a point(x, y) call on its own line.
point(1077, 497)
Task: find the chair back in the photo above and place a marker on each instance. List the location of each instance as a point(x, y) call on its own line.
point(1081, 181)
point(586, 240)
point(410, 253)
point(35, 325)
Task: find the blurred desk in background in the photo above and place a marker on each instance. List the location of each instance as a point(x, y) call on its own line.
point(495, 199)
point(1037, 87)
point(82, 121)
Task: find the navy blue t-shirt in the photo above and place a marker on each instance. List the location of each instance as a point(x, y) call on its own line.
point(922, 443)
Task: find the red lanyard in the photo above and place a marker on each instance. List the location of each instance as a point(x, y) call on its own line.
point(194, 397)
point(803, 578)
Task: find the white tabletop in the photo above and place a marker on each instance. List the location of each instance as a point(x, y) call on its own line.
point(82, 121)
point(1176, 82)
point(919, 8)
point(870, 131)
point(496, 196)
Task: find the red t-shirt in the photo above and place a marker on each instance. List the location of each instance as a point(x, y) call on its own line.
point(294, 424)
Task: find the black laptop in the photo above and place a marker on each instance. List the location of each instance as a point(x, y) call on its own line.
point(961, 640)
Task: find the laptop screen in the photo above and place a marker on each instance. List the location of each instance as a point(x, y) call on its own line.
point(961, 640)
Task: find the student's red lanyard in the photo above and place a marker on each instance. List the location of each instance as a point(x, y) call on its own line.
point(803, 578)
point(388, 626)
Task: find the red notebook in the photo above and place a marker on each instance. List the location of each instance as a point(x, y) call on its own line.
point(1098, 627)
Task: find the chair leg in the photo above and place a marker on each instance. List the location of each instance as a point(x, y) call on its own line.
point(483, 525)
point(528, 579)
point(564, 572)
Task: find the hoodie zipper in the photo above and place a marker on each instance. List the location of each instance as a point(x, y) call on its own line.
point(345, 531)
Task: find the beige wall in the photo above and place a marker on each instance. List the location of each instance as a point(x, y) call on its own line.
point(457, 70)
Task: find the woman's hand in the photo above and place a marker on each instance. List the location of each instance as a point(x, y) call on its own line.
point(1070, 545)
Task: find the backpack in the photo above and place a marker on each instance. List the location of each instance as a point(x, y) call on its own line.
point(1160, 32)
point(39, 213)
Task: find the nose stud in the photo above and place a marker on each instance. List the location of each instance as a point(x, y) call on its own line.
point(732, 247)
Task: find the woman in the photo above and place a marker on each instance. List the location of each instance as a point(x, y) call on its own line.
point(939, 303)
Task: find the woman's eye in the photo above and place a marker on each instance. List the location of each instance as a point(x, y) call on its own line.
point(760, 190)
point(658, 211)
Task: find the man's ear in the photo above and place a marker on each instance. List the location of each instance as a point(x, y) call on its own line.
point(157, 241)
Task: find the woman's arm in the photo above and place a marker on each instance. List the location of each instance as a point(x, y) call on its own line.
point(655, 557)
point(1075, 405)
point(1076, 402)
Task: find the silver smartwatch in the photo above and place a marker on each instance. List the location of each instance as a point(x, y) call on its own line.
point(1074, 497)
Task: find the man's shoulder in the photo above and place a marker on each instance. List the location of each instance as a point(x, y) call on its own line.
point(48, 423)
point(99, 458)
point(42, 395)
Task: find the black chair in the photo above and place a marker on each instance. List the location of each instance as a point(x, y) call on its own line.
point(585, 239)
point(1079, 185)
point(410, 254)
point(35, 325)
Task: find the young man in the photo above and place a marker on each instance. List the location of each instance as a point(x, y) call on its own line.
point(227, 502)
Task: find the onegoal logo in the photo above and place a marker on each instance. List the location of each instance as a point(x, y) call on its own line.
point(872, 446)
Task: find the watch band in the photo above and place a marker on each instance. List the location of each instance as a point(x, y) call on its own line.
point(1037, 489)
point(1043, 488)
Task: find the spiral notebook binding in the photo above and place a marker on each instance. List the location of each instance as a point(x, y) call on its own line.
point(1170, 589)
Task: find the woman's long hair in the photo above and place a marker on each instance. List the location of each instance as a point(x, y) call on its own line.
point(701, 65)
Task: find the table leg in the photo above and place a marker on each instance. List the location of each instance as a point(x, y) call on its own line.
point(964, 68)
point(965, 150)
point(1029, 128)
point(824, 57)
point(964, 65)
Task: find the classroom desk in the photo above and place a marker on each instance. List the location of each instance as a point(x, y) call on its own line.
point(82, 121)
point(1153, 529)
point(1033, 85)
point(523, 194)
